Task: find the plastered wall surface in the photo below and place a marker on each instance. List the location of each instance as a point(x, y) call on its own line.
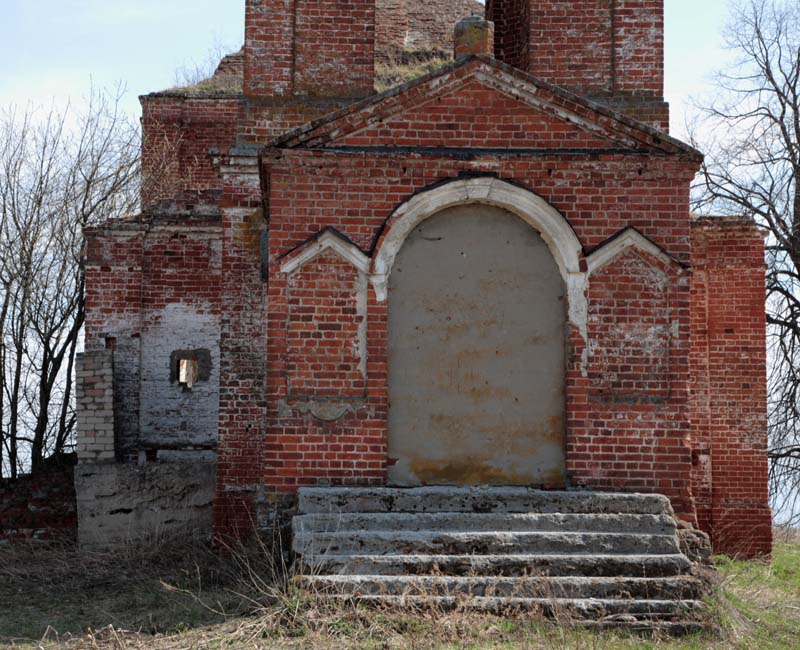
point(174, 416)
point(477, 322)
point(120, 503)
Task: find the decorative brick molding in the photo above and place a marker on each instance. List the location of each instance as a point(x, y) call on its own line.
point(95, 406)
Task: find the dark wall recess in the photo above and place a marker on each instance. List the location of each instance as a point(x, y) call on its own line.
point(201, 356)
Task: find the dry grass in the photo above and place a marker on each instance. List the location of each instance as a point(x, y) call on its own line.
point(215, 85)
point(402, 70)
point(172, 594)
point(389, 74)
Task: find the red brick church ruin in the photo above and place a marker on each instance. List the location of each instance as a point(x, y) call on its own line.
point(484, 276)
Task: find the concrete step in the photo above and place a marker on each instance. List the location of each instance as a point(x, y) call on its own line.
point(470, 521)
point(672, 588)
point(476, 500)
point(432, 542)
point(575, 609)
point(513, 565)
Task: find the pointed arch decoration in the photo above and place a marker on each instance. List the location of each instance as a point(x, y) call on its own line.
point(622, 241)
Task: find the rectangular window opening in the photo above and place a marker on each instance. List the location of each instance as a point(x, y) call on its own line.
point(188, 372)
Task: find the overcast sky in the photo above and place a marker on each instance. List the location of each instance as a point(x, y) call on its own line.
point(58, 48)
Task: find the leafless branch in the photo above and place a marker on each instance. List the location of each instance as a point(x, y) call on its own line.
point(60, 170)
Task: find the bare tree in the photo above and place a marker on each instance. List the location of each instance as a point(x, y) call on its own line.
point(59, 172)
point(751, 135)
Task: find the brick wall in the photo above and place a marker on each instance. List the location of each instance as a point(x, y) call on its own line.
point(309, 48)
point(268, 48)
point(146, 444)
point(245, 326)
point(512, 31)
point(154, 288)
point(728, 363)
point(178, 133)
point(298, 68)
point(114, 314)
point(630, 329)
point(355, 193)
point(571, 44)
point(637, 379)
point(391, 28)
point(94, 371)
point(613, 52)
point(40, 506)
point(323, 355)
point(639, 48)
point(301, 359)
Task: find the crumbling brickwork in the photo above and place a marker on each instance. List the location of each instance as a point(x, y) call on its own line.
point(154, 288)
point(728, 362)
point(95, 406)
point(178, 133)
point(263, 92)
point(41, 506)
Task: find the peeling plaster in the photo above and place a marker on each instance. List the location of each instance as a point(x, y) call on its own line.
point(170, 415)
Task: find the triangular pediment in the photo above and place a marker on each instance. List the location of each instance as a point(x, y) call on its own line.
point(625, 241)
point(479, 103)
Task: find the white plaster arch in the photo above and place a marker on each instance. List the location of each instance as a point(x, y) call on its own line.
point(556, 232)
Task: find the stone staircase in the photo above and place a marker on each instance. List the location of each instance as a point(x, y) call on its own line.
point(594, 559)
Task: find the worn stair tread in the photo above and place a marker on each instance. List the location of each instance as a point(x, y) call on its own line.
point(476, 499)
point(337, 577)
point(483, 542)
point(512, 564)
point(596, 559)
point(470, 521)
point(519, 557)
point(677, 587)
point(579, 606)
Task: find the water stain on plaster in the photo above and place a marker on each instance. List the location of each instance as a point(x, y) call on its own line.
point(455, 472)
